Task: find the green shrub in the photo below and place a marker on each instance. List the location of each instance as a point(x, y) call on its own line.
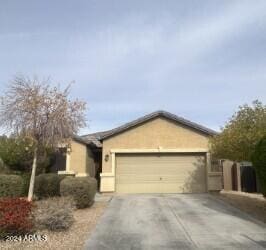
point(82, 189)
point(259, 162)
point(47, 185)
point(54, 214)
point(11, 186)
point(17, 152)
point(4, 169)
point(26, 183)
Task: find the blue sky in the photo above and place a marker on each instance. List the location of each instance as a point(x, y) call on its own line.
point(197, 59)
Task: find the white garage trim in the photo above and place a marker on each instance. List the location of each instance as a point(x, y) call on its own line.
point(155, 150)
point(161, 150)
point(161, 173)
point(108, 179)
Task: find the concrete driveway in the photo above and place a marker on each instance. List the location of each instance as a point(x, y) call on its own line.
point(184, 221)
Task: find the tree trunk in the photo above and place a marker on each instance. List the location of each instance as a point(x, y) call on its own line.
point(32, 178)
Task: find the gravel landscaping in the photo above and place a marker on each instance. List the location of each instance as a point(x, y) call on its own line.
point(74, 238)
point(253, 204)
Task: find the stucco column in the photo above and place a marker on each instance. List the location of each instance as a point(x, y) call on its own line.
point(113, 162)
point(208, 168)
point(108, 178)
point(208, 162)
point(68, 152)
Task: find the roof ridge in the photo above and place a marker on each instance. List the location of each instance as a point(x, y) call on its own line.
point(157, 113)
point(98, 136)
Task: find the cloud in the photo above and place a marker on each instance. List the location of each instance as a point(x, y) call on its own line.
point(198, 60)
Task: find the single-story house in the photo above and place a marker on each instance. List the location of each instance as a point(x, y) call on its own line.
point(157, 153)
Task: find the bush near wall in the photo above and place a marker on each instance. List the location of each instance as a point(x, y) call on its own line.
point(15, 217)
point(11, 186)
point(259, 162)
point(82, 189)
point(47, 185)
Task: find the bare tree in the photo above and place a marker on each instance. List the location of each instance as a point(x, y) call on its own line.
point(38, 110)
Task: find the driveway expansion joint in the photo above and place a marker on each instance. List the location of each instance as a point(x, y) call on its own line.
point(181, 224)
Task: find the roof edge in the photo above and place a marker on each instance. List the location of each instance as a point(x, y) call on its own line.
point(80, 140)
point(159, 113)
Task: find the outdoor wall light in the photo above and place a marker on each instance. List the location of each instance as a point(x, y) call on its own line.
point(106, 157)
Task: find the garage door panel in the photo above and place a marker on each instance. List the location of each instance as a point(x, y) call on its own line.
point(124, 179)
point(147, 188)
point(160, 173)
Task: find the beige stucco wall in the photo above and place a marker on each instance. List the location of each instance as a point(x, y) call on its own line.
point(214, 181)
point(155, 133)
point(227, 175)
point(81, 160)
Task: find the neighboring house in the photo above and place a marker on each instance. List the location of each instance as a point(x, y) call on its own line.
point(157, 153)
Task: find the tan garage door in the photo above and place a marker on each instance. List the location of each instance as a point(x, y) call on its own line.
point(160, 173)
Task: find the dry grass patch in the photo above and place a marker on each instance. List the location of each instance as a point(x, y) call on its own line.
point(252, 204)
point(54, 214)
point(75, 238)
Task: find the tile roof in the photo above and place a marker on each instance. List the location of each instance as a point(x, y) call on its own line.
point(96, 138)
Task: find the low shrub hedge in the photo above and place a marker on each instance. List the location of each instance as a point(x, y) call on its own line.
point(82, 189)
point(54, 214)
point(3, 168)
point(26, 183)
point(16, 217)
point(11, 186)
point(47, 185)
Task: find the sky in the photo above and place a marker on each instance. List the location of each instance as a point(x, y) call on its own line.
point(197, 59)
